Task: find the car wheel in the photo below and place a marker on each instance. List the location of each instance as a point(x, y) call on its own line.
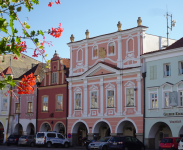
point(32, 144)
point(104, 148)
point(48, 144)
point(66, 144)
point(126, 148)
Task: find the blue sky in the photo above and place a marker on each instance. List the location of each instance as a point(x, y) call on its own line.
point(100, 17)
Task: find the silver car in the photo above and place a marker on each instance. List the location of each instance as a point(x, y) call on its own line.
point(101, 144)
point(28, 140)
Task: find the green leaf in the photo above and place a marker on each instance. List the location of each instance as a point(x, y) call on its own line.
point(25, 23)
point(19, 9)
point(41, 47)
point(18, 40)
point(41, 32)
point(33, 33)
point(15, 1)
point(36, 40)
point(11, 8)
point(38, 32)
point(27, 26)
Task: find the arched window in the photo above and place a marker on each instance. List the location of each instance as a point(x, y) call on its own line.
point(79, 55)
point(95, 52)
point(111, 49)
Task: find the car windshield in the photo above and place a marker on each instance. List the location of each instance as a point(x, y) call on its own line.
point(104, 139)
point(166, 141)
point(40, 135)
point(23, 137)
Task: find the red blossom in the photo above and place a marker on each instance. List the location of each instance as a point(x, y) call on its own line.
point(56, 32)
point(57, 2)
point(2, 75)
point(50, 4)
point(26, 86)
point(15, 57)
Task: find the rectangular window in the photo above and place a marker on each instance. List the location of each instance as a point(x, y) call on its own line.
point(167, 102)
point(4, 104)
point(54, 77)
point(130, 97)
point(94, 100)
point(110, 98)
point(153, 72)
point(167, 70)
point(30, 107)
point(17, 107)
point(78, 101)
point(45, 104)
point(181, 98)
point(59, 105)
point(181, 67)
point(154, 99)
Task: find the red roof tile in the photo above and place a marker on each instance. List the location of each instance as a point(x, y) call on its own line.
point(66, 62)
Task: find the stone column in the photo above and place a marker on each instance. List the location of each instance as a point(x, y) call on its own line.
point(70, 70)
point(101, 98)
point(70, 99)
point(86, 56)
point(139, 94)
point(119, 61)
point(85, 100)
point(138, 37)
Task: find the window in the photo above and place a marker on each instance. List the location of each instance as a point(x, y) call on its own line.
point(4, 104)
point(30, 107)
point(181, 67)
point(154, 103)
point(17, 107)
point(128, 139)
point(130, 97)
point(110, 98)
point(59, 104)
point(167, 102)
point(111, 48)
point(95, 52)
point(153, 72)
point(167, 70)
point(53, 135)
point(181, 98)
point(54, 77)
point(78, 101)
point(94, 100)
point(45, 104)
point(60, 136)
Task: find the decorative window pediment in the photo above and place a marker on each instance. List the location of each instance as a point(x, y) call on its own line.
point(129, 84)
point(110, 86)
point(77, 89)
point(167, 83)
point(93, 87)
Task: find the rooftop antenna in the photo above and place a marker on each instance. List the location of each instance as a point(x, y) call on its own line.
point(172, 25)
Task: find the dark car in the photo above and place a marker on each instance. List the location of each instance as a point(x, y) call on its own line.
point(125, 143)
point(12, 139)
point(1, 137)
point(27, 140)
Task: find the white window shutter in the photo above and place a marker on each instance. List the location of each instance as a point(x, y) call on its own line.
point(155, 72)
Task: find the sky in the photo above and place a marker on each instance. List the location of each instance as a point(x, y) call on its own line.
point(99, 17)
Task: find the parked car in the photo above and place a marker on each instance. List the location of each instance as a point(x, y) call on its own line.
point(125, 143)
point(169, 143)
point(27, 140)
point(101, 144)
point(12, 139)
point(51, 138)
point(180, 145)
point(1, 137)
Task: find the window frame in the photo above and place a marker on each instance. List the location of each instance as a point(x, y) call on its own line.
point(16, 107)
point(77, 55)
point(4, 98)
point(75, 100)
point(107, 97)
point(92, 91)
point(93, 56)
point(153, 90)
point(28, 107)
point(56, 97)
point(53, 78)
point(126, 96)
point(165, 70)
point(179, 66)
point(42, 103)
point(108, 45)
point(151, 105)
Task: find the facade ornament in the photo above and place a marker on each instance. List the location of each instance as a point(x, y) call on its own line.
point(102, 52)
point(87, 34)
point(56, 54)
point(119, 25)
point(139, 21)
point(112, 49)
point(72, 38)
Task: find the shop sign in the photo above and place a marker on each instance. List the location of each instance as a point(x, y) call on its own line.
point(173, 114)
point(176, 121)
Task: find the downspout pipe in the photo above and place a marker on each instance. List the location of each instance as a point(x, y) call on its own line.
point(144, 77)
point(38, 84)
point(67, 108)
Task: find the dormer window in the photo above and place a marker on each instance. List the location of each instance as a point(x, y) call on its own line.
point(181, 67)
point(54, 77)
point(111, 49)
point(167, 70)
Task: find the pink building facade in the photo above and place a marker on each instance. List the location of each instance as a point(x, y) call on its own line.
point(106, 85)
